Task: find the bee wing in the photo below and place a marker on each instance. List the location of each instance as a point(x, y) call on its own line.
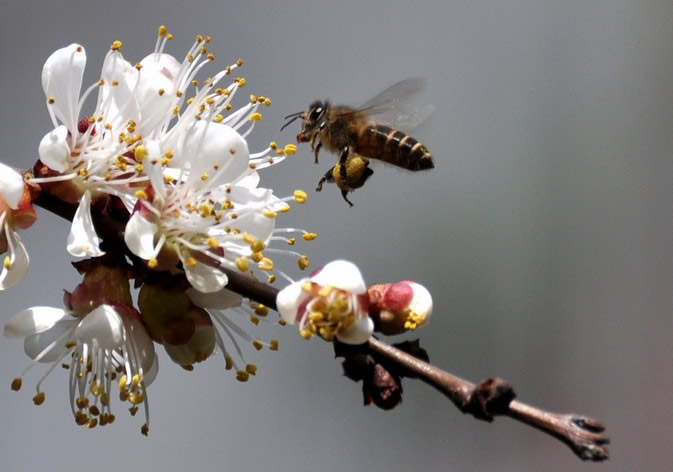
point(391, 105)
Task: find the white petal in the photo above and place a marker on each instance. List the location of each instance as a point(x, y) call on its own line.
point(11, 186)
point(62, 80)
point(32, 321)
point(54, 149)
point(151, 374)
point(421, 303)
point(119, 79)
point(83, 240)
point(358, 332)
point(18, 259)
point(35, 344)
point(158, 74)
point(289, 299)
point(208, 145)
point(144, 348)
point(220, 300)
point(102, 328)
point(139, 236)
point(205, 278)
point(343, 275)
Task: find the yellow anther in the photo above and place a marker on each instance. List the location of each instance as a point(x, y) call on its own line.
point(161, 92)
point(282, 322)
point(116, 46)
point(94, 411)
point(212, 242)
point(316, 316)
point(285, 208)
point(307, 286)
point(306, 334)
point(16, 384)
point(269, 213)
point(303, 262)
point(271, 279)
point(239, 62)
point(7, 263)
point(273, 145)
point(273, 345)
point(93, 422)
point(257, 345)
point(300, 196)
point(290, 149)
point(228, 362)
point(266, 264)
point(96, 388)
point(211, 56)
point(261, 310)
point(254, 320)
point(82, 402)
point(251, 369)
point(267, 101)
point(309, 236)
point(141, 195)
point(240, 81)
point(136, 380)
point(258, 245)
point(145, 429)
point(140, 152)
point(242, 264)
point(136, 398)
point(190, 261)
point(204, 176)
point(242, 376)
point(70, 344)
point(162, 30)
point(123, 383)
point(247, 238)
point(152, 263)
point(138, 167)
point(255, 116)
point(253, 98)
point(257, 257)
point(291, 241)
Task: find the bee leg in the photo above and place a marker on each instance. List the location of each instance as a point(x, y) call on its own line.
point(317, 150)
point(328, 177)
point(343, 194)
point(343, 157)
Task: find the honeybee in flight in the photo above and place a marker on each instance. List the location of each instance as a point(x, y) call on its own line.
point(356, 138)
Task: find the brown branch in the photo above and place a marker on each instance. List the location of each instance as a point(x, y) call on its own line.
point(493, 397)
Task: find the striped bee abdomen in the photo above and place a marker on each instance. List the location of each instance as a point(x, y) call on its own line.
point(393, 146)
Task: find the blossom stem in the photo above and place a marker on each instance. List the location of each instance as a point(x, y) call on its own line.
point(493, 397)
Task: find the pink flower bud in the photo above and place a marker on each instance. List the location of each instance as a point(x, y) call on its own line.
point(399, 307)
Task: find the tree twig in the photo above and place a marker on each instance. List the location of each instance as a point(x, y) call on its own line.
point(493, 397)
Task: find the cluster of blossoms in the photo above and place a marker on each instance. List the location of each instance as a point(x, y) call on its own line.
point(176, 171)
point(167, 155)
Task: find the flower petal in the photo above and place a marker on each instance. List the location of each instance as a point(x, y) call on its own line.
point(205, 278)
point(139, 236)
point(341, 274)
point(358, 332)
point(54, 149)
point(62, 80)
point(83, 240)
point(220, 300)
point(290, 299)
point(102, 328)
point(19, 261)
point(11, 186)
point(35, 345)
point(32, 321)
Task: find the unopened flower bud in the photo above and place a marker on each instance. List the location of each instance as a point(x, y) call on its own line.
point(185, 330)
point(399, 307)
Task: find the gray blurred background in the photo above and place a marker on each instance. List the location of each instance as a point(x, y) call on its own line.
point(544, 233)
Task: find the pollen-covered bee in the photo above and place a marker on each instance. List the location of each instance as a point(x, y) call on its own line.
point(352, 134)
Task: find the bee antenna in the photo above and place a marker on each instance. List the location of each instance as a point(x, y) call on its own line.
point(294, 116)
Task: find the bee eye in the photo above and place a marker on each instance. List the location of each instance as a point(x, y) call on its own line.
point(315, 114)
